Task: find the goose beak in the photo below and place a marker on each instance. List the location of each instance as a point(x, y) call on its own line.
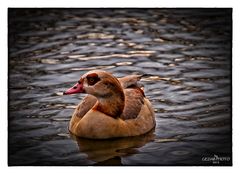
point(77, 88)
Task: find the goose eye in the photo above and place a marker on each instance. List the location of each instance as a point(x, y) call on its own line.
point(92, 79)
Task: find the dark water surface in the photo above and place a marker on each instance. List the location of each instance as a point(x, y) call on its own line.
point(187, 53)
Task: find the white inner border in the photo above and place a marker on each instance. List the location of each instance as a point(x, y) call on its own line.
point(119, 3)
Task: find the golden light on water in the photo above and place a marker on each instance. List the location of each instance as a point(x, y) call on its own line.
point(116, 55)
point(96, 36)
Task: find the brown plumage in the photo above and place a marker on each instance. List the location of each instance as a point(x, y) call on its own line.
point(113, 108)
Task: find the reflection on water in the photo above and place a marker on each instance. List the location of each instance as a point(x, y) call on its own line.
point(108, 150)
point(185, 54)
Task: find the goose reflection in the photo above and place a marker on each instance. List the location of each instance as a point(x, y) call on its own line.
point(110, 151)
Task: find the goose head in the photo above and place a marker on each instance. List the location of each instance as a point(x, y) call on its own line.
point(100, 84)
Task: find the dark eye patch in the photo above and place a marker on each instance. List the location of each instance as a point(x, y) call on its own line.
point(92, 79)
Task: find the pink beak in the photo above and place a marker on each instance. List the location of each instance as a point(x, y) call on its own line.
point(77, 88)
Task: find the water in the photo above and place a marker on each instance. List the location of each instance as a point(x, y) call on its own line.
point(186, 52)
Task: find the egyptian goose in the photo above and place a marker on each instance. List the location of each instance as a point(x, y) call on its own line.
point(114, 107)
